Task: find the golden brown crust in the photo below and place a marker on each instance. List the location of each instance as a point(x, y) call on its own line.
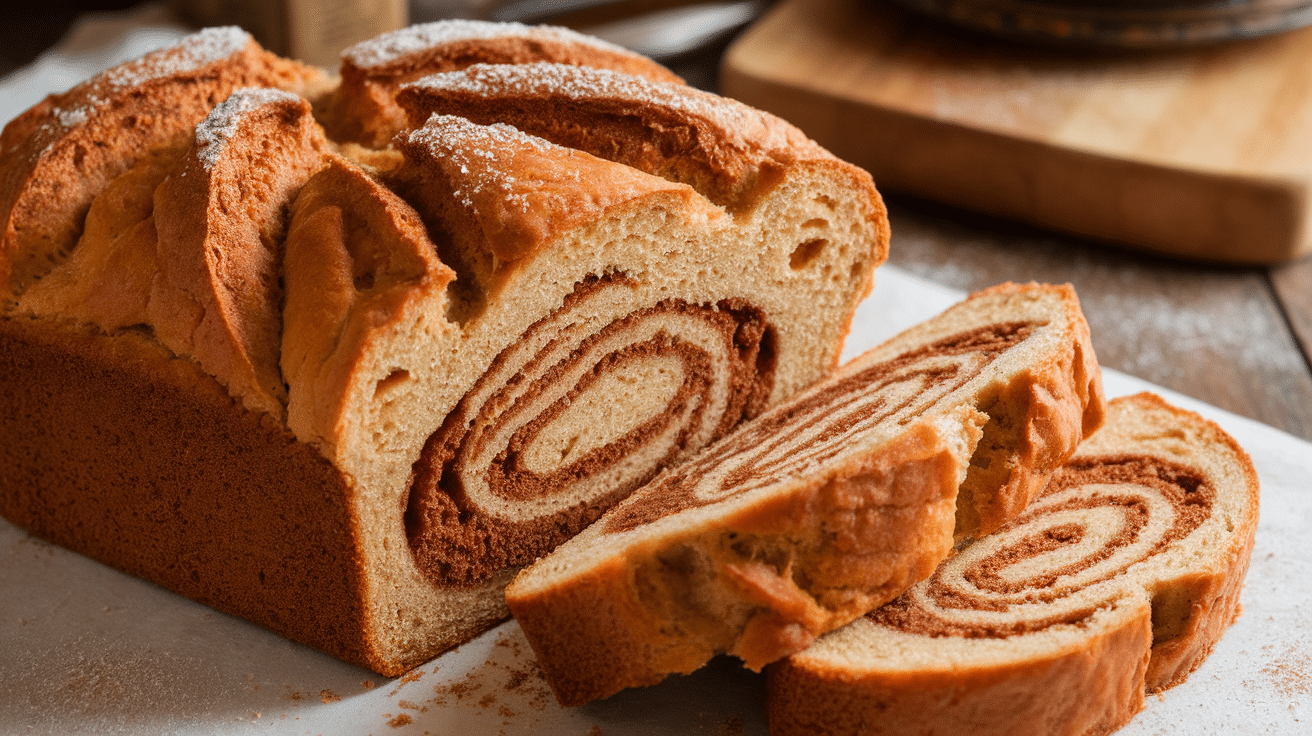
point(221, 221)
point(1091, 690)
point(364, 109)
point(357, 261)
point(106, 279)
point(721, 147)
point(166, 439)
point(60, 154)
point(499, 195)
point(1036, 422)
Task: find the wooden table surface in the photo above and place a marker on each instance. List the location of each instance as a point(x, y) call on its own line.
point(1237, 338)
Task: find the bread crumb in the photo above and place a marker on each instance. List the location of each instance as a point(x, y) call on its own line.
point(328, 696)
point(399, 721)
point(367, 684)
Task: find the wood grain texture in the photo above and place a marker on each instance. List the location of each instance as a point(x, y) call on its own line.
point(1292, 284)
point(1205, 153)
point(1211, 332)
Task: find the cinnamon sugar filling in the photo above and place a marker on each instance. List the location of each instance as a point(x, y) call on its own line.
point(1094, 521)
point(819, 426)
point(543, 444)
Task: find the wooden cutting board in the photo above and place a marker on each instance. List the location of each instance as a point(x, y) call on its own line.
point(1204, 153)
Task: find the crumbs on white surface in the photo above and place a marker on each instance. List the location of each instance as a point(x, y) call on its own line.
point(734, 119)
point(389, 47)
point(481, 153)
point(224, 120)
point(193, 52)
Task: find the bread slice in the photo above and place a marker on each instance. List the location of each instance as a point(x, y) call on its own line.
point(364, 108)
point(348, 402)
point(1117, 581)
point(59, 155)
point(824, 507)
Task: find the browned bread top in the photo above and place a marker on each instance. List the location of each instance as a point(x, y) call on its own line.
point(364, 111)
point(722, 148)
point(60, 154)
point(500, 194)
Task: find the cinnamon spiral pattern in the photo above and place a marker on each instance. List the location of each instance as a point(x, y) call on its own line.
point(1063, 558)
point(523, 464)
point(820, 426)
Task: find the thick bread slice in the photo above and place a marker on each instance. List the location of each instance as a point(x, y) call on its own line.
point(56, 157)
point(364, 108)
point(1117, 581)
point(824, 507)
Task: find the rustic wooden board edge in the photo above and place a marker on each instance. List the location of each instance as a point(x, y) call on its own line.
point(1199, 215)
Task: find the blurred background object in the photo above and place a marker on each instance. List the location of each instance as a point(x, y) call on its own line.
point(314, 31)
point(1197, 151)
point(1121, 23)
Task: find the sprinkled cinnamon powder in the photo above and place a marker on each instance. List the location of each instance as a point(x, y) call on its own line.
point(1291, 673)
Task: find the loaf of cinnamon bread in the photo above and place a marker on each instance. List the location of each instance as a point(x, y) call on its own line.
point(342, 370)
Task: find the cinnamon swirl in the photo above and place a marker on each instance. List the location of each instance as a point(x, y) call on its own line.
point(824, 507)
point(1117, 581)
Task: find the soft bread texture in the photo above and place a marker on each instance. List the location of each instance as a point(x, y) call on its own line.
point(415, 369)
point(365, 111)
point(826, 506)
point(1117, 581)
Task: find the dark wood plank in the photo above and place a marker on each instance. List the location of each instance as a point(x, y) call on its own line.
point(1292, 284)
point(1213, 333)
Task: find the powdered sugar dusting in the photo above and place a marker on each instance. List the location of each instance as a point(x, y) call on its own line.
point(736, 121)
point(482, 154)
point(191, 53)
point(224, 120)
point(389, 47)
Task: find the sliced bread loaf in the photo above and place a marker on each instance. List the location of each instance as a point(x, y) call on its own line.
point(824, 507)
point(1117, 581)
